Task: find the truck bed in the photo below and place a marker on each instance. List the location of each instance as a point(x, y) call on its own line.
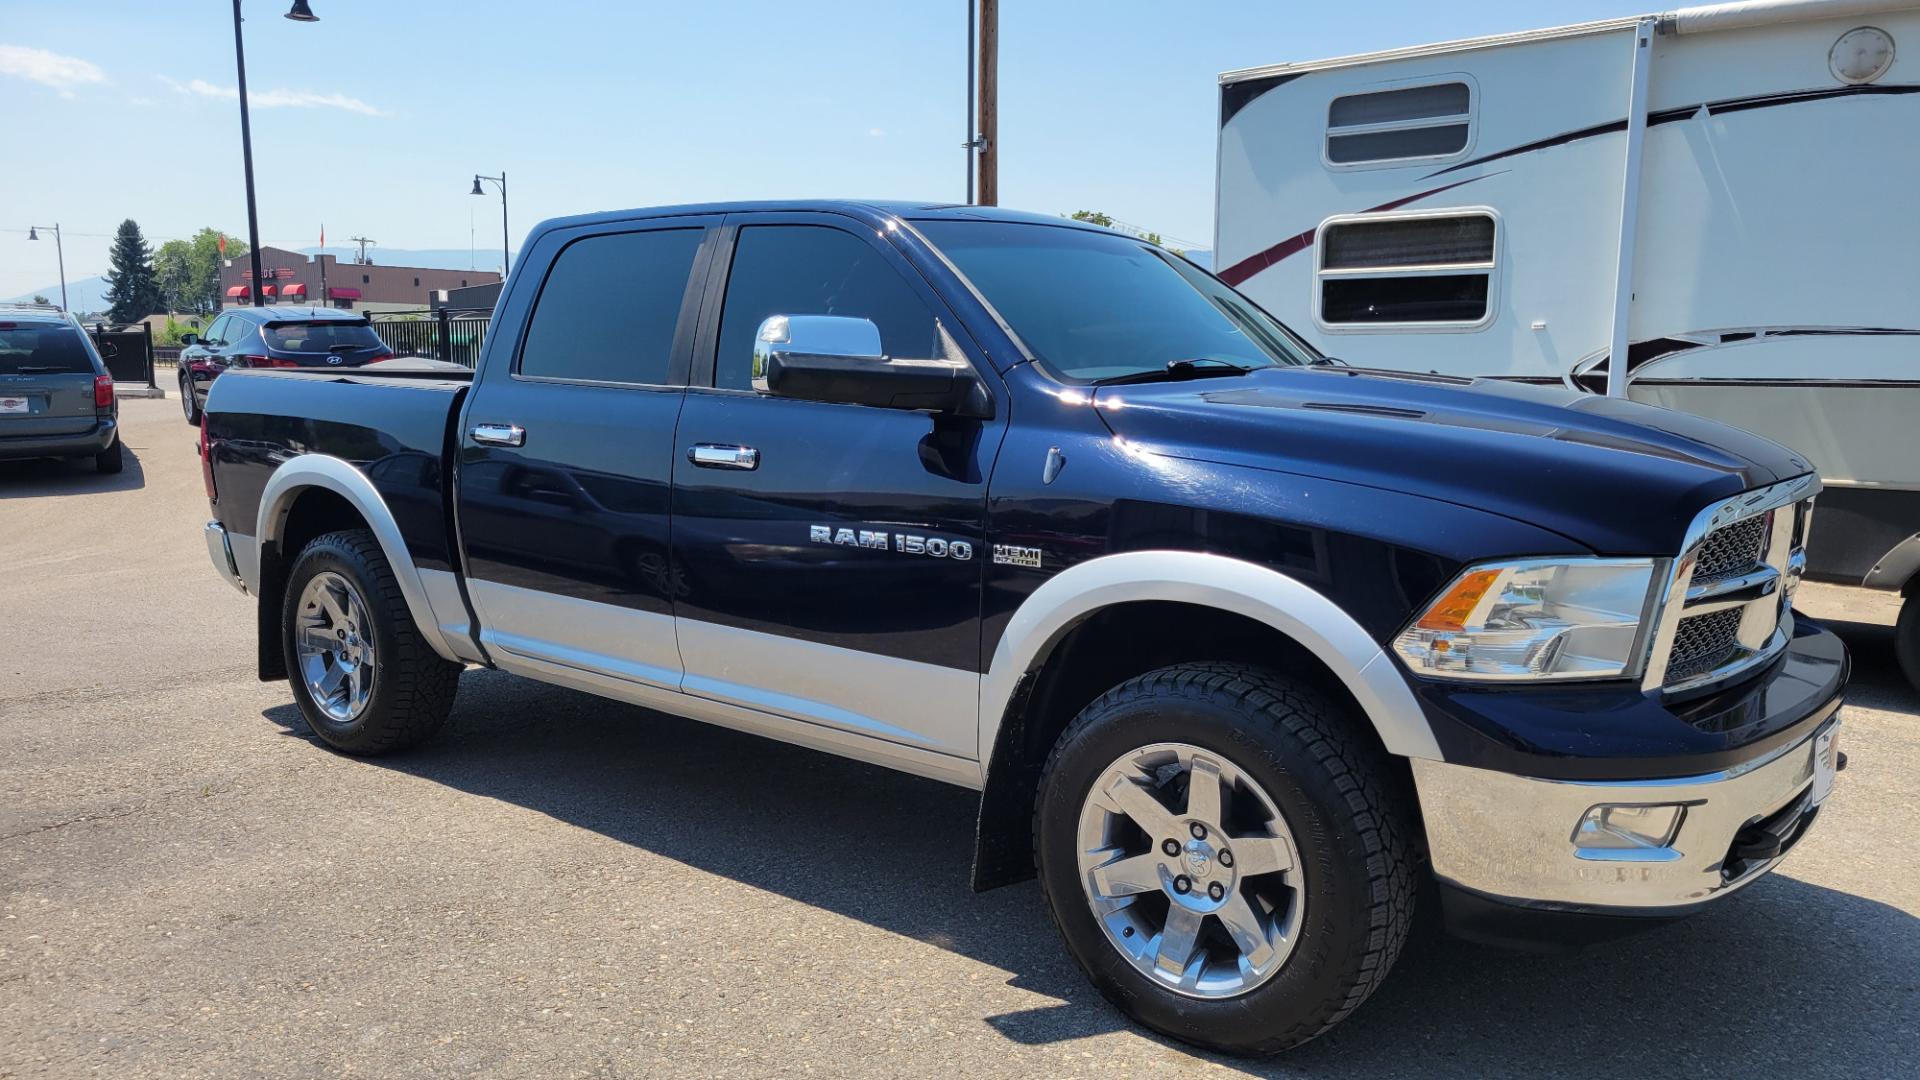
point(393, 426)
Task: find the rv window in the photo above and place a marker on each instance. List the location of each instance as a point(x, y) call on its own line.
point(1406, 269)
point(1419, 123)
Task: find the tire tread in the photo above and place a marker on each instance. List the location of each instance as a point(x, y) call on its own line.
point(1295, 711)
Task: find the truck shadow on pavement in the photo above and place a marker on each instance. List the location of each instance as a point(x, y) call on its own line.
point(1787, 979)
point(63, 476)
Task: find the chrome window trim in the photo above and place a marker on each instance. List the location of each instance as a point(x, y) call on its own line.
point(1679, 583)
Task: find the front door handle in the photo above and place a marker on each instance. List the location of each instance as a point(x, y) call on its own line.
point(500, 434)
point(719, 456)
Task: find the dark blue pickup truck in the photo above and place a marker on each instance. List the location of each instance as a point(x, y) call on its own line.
point(1243, 647)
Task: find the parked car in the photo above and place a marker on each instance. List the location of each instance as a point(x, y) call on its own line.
point(56, 397)
point(1238, 645)
point(277, 335)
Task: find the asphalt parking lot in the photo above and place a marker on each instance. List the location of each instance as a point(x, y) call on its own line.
point(563, 886)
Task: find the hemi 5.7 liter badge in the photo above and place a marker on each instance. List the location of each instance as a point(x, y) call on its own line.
point(1014, 555)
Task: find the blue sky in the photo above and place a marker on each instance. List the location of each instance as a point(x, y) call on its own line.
point(375, 119)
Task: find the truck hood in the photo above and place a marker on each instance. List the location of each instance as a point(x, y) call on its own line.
point(1616, 476)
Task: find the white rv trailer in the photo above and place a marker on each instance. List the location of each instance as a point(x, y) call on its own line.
point(1727, 195)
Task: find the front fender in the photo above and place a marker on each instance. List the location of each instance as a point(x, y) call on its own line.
point(1214, 581)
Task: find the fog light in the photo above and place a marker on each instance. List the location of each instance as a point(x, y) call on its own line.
point(1608, 831)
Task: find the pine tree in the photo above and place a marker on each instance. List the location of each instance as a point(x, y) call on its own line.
point(132, 289)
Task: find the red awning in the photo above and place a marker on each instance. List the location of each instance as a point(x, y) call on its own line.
point(237, 290)
point(295, 289)
point(343, 293)
point(267, 290)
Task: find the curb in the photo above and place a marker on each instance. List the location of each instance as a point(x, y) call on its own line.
point(135, 390)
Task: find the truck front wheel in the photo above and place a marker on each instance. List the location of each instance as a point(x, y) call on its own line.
point(1223, 856)
point(365, 681)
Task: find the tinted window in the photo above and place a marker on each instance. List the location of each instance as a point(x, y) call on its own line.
point(218, 328)
point(1095, 305)
point(815, 270)
point(320, 337)
point(1447, 298)
point(1410, 241)
point(609, 306)
point(1418, 269)
point(42, 349)
point(1414, 123)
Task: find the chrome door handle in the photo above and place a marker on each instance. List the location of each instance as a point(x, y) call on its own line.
point(719, 456)
point(500, 434)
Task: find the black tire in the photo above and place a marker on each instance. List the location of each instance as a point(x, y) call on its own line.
point(413, 687)
point(112, 459)
point(1330, 785)
point(187, 403)
point(1906, 639)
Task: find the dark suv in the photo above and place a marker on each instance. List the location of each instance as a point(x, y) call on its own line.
point(274, 336)
point(56, 398)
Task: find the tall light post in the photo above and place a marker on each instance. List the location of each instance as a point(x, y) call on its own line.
point(501, 180)
point(33, 233)
point(300, 12)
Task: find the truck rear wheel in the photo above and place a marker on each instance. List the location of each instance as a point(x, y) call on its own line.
point(365, 681)
point(1223, 857)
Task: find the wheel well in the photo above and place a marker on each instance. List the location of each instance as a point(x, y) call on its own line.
point(1103, 650)
point(315, 511)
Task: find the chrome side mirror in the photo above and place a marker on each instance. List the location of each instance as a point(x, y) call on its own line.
point(833, 358)
point(839, 336)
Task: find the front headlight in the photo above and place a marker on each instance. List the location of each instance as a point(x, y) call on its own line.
point(1535, 619)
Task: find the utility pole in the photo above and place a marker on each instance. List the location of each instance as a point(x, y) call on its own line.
point(361, 259)
point(989, 141)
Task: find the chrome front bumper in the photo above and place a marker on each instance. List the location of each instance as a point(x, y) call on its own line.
point(221, 552)
point(1515, 838)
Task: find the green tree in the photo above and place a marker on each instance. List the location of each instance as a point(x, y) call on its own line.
point(131, 288)
point(188, 271)
point(1093, 217)
point(173, 271)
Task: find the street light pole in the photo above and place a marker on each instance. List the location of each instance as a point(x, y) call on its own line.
point(477, 190)
point(60, 250)
point(246, 154)
point(298, 13)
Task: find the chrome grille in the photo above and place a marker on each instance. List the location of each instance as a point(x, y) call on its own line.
point(1728, 604)
point(1732, 549)
point(1704, 642)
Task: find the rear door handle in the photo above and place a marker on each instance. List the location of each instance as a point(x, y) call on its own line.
point(721, 456)
point(500, 434)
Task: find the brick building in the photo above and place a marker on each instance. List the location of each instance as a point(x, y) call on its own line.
point(295, 278)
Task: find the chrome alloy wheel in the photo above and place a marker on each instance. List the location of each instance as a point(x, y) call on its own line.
point(334, 640)
point(1191, 871)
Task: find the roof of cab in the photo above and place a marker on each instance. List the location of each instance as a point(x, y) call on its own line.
point(875, 212)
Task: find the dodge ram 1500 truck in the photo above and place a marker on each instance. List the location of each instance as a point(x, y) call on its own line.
point(1242, 646)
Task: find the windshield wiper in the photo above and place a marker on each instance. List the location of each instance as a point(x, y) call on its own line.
point(1198, 367)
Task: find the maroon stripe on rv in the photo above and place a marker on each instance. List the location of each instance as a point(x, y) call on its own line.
point(1253, 264)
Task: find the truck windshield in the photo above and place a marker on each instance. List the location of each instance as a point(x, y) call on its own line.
point(1098, 306)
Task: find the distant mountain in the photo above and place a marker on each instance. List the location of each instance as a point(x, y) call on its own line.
point(83, 294)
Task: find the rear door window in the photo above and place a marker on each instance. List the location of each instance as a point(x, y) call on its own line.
point(609, 308)
point(323, 337)
point(42, 349)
